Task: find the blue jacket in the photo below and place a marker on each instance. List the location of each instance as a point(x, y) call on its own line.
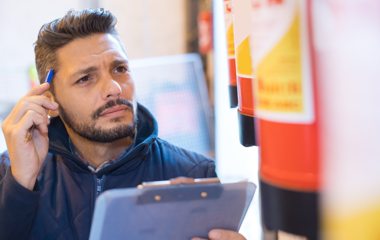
point(62, 202)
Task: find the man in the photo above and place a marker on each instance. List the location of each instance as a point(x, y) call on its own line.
point(98, 138)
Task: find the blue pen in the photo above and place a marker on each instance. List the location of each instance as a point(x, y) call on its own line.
point(49, 76)
point(48, 79)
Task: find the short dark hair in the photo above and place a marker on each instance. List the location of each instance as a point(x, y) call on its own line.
point(58, 33)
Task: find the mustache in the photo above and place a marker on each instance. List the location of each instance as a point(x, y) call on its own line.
point(112, 103)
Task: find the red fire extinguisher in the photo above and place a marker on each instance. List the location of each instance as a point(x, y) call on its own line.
point(231, 52)
point(242, 14)
point(285, 103)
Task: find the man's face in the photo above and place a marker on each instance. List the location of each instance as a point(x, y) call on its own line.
point(95, 89)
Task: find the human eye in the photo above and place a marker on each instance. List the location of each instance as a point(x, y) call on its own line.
point(83, 79)
point(121, 69)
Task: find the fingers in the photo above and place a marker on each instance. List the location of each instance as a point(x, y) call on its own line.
point(42, 101)
point(181, 180)
point(28, 103)
point(29, 119)
point(27, 110)
point(219, 234)
point(38, 90)
point(19, 131)
point(25, 107)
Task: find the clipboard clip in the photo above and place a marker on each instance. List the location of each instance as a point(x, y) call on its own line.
point(178, 181)
point(187, 189)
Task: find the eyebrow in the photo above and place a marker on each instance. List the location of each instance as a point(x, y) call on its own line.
point(119, 62)
point(88, 70)
point(85, 71)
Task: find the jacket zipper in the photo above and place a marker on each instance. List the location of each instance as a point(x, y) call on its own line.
point(99, 185)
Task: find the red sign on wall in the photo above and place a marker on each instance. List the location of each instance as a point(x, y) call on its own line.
point(205, 31)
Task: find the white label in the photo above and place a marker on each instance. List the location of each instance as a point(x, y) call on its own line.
point(281, 59)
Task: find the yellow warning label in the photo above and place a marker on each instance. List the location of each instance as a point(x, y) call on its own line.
point(230, 42)
point(243, 58)
point(279, 75)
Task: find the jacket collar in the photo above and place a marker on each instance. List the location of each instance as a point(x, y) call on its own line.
point(147, 131)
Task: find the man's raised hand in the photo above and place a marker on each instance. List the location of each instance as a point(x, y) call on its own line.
point(219, 234)
point(26, 157)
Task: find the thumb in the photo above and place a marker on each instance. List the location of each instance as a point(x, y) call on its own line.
point(219, 234)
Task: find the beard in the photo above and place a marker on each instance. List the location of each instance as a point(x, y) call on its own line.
point(88, 130)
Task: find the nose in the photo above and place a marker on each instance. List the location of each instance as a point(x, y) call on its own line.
point(111, 89)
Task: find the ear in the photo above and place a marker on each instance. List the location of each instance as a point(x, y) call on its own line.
point(51, 113)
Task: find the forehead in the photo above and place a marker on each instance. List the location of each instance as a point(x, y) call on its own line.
point(93, 50)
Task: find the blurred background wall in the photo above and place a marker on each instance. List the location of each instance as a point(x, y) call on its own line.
point(150, 28)
point(147, 28)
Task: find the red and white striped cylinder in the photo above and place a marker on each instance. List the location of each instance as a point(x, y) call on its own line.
point(228, 17)
point(242, 13)
point(285, 99)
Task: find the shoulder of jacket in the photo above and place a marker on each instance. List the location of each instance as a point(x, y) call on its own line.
point(183, 154)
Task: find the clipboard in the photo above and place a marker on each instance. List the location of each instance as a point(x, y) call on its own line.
point(170, 212)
